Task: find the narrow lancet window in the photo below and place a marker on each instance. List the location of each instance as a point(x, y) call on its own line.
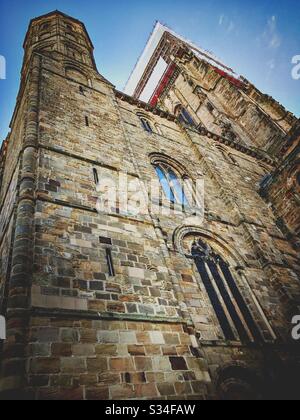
point(173, 185)
point(234, 316)
point(110, 263)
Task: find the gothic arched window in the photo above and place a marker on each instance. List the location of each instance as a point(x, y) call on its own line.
point(76, 75)
point(227, 156)
point(45, 26)
point(172, 184)
point(232, 311)
point(184, 116)
point(146, 124)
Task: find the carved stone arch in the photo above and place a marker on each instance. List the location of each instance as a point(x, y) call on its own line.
point(140, 113)
point(147, 121)
point(157, 158)
point(213, 257)
point(44, 27)
point(264, 166)
point(68, 26)
point(200, 93)
point(220, 147)
point(184, 187)
point(74, 46)
point(228, 156)
point(76, 73)
point(231, 156)
point(236, 381)
point(230, 254)
point(71, 36)
point(46, 46)
point(176, 105)
point(73, 51)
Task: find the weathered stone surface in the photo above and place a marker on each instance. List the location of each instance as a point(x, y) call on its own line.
point(106, 350)
point(122, 364)
point(108, 337)
point(146, 327)
point(58, 394)
point(45, 365)
point(166, 389)
point(136, 350)
point(61, 349)
point(143, 364)
point(97, 365)
point(73, 365)
point(98, 393)
point(83, 350)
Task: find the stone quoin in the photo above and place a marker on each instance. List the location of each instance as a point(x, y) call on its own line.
point(118, 306)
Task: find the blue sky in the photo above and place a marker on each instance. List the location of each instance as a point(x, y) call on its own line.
point(257, 38)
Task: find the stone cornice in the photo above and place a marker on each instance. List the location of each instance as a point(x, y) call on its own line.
point(143, 105)
point(255, 153)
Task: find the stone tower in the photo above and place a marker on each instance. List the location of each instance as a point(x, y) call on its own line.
point(109, 303)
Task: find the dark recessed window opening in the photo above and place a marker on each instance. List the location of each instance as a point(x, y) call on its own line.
point(87, 121)
point(224, 293)
point(210, 107)
point(45, 26)
point(106, 241)
point(96, 176)
point(146, 125)
point(184, 116)
point(110, 263)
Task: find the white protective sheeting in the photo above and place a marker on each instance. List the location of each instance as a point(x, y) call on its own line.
point(154, 80)
point(148, 52)
point(144, 59)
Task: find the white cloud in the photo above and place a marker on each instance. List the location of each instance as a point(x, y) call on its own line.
point(271, 64)
point(271, 34)
point(231, 27)
point(227, 23)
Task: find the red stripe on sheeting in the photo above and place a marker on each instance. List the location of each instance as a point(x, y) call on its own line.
point(233, 80)
point(169, 73)
point(163, 83)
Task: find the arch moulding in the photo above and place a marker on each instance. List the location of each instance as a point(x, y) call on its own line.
point(233, 257)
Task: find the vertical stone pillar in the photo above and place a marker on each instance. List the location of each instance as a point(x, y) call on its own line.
point(13, 372)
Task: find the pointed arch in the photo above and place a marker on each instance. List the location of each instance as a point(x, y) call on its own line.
point(220, 267)
point(184, 116)
point(233, 256)
point(228, 156)
point(236, 381)
point(76, 74)
point(172, 181)
point(179, 185)
point(149, 124)
point(156, 158)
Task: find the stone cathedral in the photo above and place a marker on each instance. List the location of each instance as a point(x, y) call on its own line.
point(113, 304)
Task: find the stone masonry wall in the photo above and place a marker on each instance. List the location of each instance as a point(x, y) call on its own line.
point(85, 359)
point(148, 330)
point(211, 99)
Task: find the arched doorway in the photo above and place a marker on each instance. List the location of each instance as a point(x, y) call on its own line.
point(236, 383)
